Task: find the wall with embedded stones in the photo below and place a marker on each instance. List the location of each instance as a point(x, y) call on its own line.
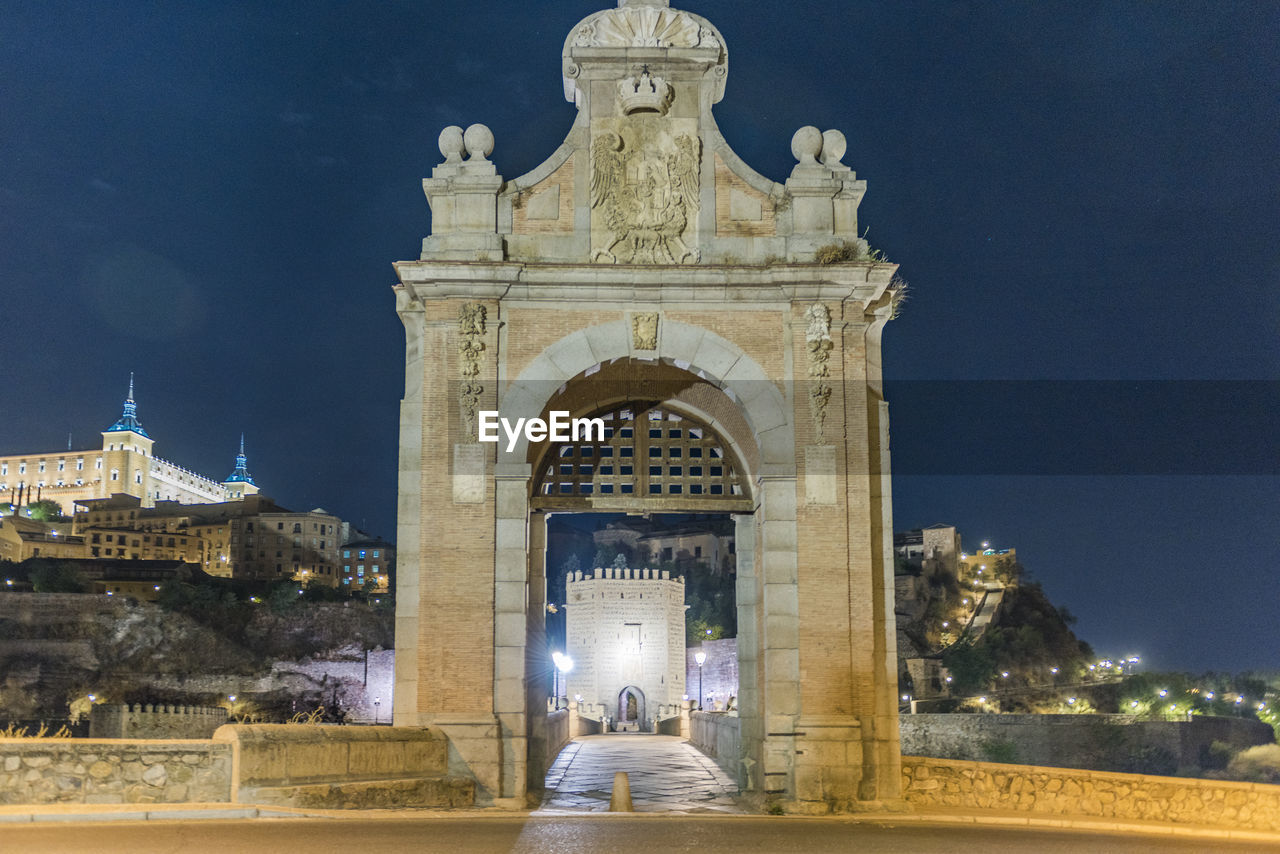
point(105, 771)
point(933, 783)
point(1099, 742)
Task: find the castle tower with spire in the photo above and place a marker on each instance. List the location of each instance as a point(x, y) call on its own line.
point(240, 483)
point(126, 453)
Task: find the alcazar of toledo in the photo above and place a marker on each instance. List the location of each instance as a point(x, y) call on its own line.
point(123, 465)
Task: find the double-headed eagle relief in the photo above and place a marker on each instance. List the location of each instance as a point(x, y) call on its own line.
point(646, 195)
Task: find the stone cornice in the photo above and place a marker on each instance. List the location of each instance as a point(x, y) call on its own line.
point(728, 287)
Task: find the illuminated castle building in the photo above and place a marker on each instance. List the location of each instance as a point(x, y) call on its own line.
point(123, 465)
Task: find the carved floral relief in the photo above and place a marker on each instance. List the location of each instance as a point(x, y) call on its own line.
point(471, 328)
point(818, 343)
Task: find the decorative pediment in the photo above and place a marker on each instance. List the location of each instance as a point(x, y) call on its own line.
point(644, 26)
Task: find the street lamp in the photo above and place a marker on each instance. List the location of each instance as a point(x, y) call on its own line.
point(563, 665)
point(701, 658)
point(377, 701)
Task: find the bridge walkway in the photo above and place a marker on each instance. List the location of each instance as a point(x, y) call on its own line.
point(666, 773)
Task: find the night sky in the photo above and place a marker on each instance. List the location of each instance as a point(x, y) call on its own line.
point(1083, 196)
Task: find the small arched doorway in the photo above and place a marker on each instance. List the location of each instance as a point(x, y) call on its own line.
point(631, 717)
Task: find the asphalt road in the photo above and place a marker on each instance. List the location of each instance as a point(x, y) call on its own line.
point(570, 835)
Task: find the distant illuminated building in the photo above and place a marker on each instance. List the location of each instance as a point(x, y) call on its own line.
point(123, 465)
point(625, 634)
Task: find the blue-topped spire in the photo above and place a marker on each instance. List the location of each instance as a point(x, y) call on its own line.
point(129, 418)
point(241, 474)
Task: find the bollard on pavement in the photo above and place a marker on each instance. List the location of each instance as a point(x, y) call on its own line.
point(621, 799)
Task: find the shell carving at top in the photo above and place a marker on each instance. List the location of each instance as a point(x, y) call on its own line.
point(644, 26)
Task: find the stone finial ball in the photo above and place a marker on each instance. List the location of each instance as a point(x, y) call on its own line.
point(450, 143)
point(479, 141)
point(833, 147)
point(806, 145)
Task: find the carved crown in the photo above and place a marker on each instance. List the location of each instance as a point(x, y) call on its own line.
point(644, 94)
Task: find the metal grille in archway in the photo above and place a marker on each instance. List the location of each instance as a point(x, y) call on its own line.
point(651, 458)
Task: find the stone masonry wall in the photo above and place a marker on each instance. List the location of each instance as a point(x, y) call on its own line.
point(932, 783)
point(90, 771)
point(1103, 742)
point(719, 672)
point(717, 734)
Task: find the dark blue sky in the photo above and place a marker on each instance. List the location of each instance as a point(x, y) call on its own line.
point(211, 195)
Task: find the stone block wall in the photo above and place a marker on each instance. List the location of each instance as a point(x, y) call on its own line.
point(155, 721)
point(91, 771)
point(718, 735)
point(945, 783)
point(719, 672)
point(1102, 742)
point(341, 767)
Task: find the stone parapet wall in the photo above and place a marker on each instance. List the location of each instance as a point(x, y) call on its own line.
point(286, 754)
point(558, 724)
point(92, 771)
point(1101, 742)
point(342, 767)
point(155, 721)
point(718, 735)
point(952, 784)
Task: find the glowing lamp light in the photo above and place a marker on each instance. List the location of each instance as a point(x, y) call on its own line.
point(563, 662)
point(1071, 701)
point(948, 679)
point(1004, 674)
point(93, 697)
point(1053, 670)
point(1210, 695)
point(945, 623)
point(1134, 704)
point(1239, 700)
point(700, 657)
point(982, 699)
point(231, 697)
point(1164, 692)
point(906, 697)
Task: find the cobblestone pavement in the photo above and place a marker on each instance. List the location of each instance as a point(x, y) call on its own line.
point(666, 775)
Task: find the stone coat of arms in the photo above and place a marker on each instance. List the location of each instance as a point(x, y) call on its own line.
point(646, 195)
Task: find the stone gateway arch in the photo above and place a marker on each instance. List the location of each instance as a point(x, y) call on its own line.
point(644, 268)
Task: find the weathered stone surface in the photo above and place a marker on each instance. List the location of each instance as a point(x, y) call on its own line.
point(81, 771)
point(1090, 794)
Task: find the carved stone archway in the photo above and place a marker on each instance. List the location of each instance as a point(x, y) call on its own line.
point(644, 263)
